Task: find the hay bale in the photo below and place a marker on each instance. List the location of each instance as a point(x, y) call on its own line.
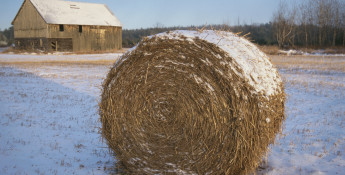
point(192, 102)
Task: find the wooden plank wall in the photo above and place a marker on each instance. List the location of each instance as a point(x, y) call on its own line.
point(92, 38)
point(29, 23)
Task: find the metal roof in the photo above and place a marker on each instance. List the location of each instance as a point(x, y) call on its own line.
point(75, 13)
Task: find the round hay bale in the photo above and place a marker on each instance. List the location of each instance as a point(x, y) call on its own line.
point(192, 102)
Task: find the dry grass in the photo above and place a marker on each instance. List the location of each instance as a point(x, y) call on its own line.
point(274, 50)
point(17, 51)
point(328, 63)
point(269, 50)
point(123, 50)
point(159, 114)
point(71, 62)
point(329, 50)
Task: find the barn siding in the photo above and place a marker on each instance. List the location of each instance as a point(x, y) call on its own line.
point(92, 38)
point(29, 23)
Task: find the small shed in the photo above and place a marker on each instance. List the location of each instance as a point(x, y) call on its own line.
point(57, 25)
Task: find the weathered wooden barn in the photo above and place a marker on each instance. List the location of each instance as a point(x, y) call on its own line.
point(57, 25)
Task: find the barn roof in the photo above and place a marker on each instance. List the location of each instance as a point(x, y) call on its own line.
point(75, 13)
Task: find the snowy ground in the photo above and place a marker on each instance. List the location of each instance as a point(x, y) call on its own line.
point(3, 48)
point(313, 137)
point(312, 53)
point(49, 115)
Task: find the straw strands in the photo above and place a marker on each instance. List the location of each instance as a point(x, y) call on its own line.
point(192, 102)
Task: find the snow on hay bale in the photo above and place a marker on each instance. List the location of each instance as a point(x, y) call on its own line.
point(192, 102)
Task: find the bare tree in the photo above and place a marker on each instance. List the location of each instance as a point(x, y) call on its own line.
point(283, 24)
point(342, 21)
point(324, 18)
point(292, 17)
point(306, 19)
point(335, 20)
point(316, 22)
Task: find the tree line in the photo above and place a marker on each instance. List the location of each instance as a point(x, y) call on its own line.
point(258, 33)
point(7, 36)
point(309, 24)
point(312, 23)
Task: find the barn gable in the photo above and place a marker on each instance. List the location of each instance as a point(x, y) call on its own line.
point(28, 22)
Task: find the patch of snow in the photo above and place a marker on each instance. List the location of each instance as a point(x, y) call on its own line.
point(291, 52)
point(3, 49)
point(268, 120)
point(258, 71)
point(209, 87)
point(323, 54)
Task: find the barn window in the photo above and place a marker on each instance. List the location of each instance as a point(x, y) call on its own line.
point(61, 28)
point(80, 29)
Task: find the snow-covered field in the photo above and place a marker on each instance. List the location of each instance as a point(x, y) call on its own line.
point(49, 115)
point(313, 137)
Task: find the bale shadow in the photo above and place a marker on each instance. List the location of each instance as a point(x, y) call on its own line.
point(48, 128)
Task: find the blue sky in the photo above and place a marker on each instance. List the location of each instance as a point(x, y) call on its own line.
point(148, 13)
